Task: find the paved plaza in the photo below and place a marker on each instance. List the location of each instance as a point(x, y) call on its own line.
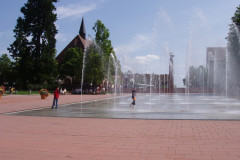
point(59, 137)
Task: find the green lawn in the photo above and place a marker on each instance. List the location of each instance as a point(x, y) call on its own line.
point(25, 92)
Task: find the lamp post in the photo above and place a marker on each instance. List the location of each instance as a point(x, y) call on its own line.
point(203, 77)
point(171, 83)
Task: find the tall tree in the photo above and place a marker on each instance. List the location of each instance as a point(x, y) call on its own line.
point(236, 17)
point(102, 39)
point(71, 64)
point(196, 78)
point(94, 68)
point(5, 68)
point(233, 47)
point(34, 45)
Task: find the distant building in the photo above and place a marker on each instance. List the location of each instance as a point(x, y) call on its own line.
point(155, 83)
point(144, 82)
point(216, 65)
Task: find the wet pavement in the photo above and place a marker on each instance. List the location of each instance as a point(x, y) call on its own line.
point(154, 106)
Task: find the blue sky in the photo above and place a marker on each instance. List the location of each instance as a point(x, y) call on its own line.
point(143, 32)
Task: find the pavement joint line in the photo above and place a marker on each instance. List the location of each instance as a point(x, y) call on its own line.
point(28, 110)
point(64, 105)
point(95, 100)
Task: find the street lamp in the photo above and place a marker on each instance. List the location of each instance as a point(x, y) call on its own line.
point(203, 78)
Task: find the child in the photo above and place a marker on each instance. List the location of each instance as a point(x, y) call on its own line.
point(133, 97)
point(55, 99)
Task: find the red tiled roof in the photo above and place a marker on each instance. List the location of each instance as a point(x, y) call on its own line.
point(78, 41)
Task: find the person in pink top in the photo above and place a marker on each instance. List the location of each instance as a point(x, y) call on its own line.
point(55, 99)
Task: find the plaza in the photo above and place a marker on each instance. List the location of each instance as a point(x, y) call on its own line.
point(56, 137)
point(120, 80)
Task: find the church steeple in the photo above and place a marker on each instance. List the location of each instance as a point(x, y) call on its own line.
point(82, 31)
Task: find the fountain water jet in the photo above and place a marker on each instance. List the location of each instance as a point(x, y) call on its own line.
point(83, 67)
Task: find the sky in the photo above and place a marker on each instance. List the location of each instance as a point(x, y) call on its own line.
point(143, 32)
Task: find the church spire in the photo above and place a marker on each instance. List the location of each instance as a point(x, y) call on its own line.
point(82, 31)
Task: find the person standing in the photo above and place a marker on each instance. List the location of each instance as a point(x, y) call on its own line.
point(133, 97)
point(55, 99)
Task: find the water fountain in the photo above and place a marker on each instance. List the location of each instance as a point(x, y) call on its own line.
point(161, 105)
point(83, 67)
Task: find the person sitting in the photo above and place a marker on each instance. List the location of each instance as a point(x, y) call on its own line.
point(80, 90)
point(61, 91)
point(91, 91)
point(98, 90)
point(12, 90)
point(65, 91)
point(76, 91)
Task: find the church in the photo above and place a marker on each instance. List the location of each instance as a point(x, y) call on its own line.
point(80, 41)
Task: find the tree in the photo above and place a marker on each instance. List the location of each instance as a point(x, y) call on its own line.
point(34, 45)
point(94, 68)
point(196, 77)
point(5, 68)
point(236, 17)
point(102, 39)
point(233, 47)
point(71, 64)
point(233, 54)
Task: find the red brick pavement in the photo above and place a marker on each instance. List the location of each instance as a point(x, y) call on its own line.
point(11, 103)
point(53, 138)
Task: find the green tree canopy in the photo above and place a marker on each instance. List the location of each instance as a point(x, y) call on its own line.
point(233, 57)
point(34, 45)
point(94, 66)
point(233, 44)
point(5, 68)
point(196, 77)
point(102, 38)
point(236, 17)
point(71, 64)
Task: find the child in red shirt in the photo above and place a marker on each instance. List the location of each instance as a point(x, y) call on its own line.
point(55, 99)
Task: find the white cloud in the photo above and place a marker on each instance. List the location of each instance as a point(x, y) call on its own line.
point(4, 51)
point(131, 54)
point(127, 68)
point(57, 26)
point(61, 37)
point(74, 10)
point(163, 15)
point(201, 17)
point(147, 59)
point(138, 43)
point(199, 20)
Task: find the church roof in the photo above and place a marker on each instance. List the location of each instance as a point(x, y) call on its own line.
point(82, 31)
point(79, 41)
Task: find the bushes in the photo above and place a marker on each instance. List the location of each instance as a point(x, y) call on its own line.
point(37, 87)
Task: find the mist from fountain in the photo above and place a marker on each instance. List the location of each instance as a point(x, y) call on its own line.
point(188, 91)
